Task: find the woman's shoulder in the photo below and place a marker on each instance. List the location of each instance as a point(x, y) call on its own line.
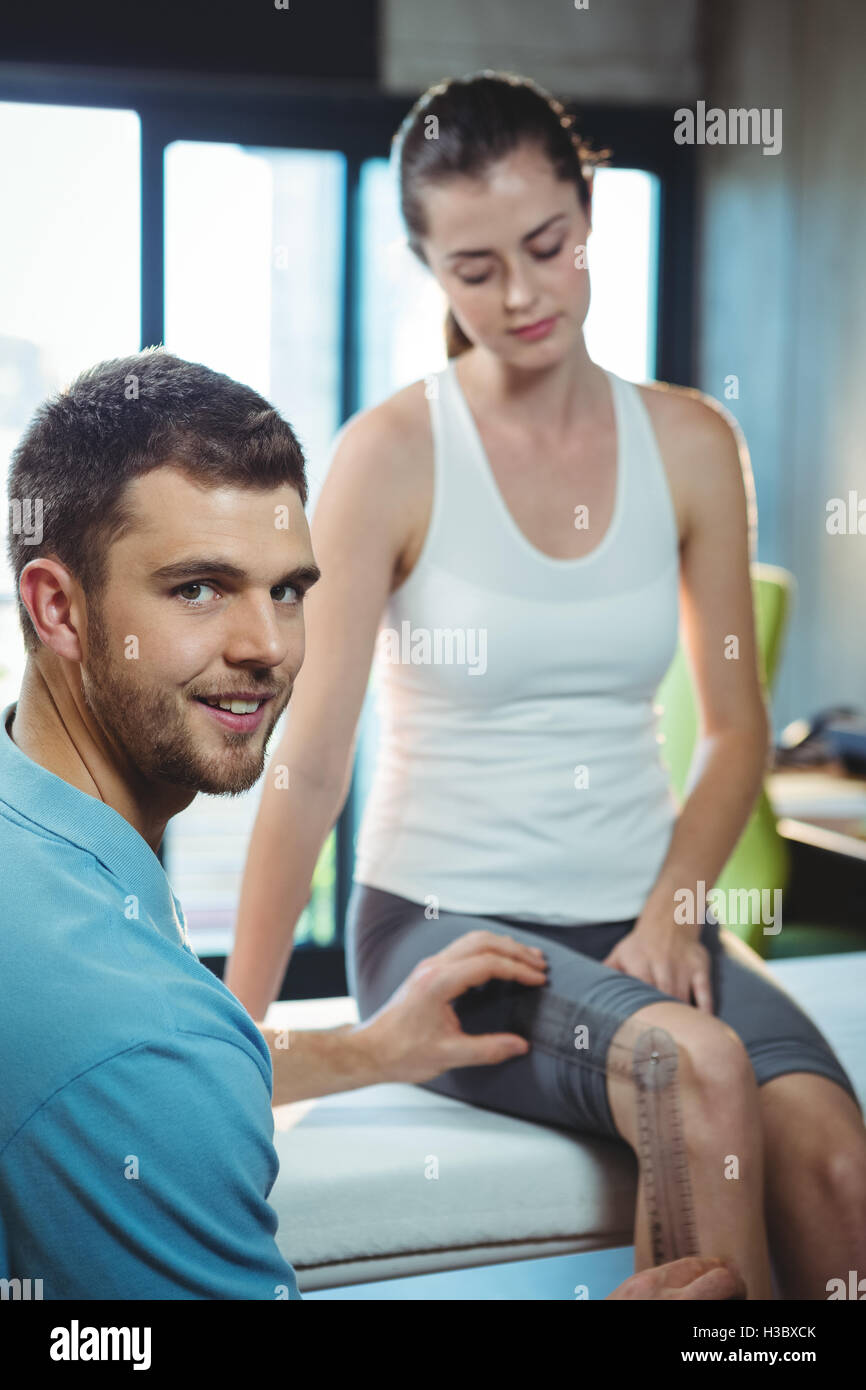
point(703, 449)
point(394, 429)
point(688, 415)
point(383, 458)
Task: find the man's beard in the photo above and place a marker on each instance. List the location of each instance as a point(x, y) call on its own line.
point(148, 728)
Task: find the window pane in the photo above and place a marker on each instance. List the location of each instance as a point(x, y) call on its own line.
point(254, 274)
point(69, 276)
point(620, 328)
point(402, 306)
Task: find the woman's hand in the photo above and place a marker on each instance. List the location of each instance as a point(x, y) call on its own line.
point(669, 956)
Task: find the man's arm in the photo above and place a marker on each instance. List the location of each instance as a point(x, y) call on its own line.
point(416, 1035)
point(147, 1177)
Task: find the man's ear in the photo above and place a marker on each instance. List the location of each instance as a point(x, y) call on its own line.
point(51, 595)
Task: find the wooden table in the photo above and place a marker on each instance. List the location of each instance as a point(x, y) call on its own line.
point(822, 806)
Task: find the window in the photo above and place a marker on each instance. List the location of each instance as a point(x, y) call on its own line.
point(69, 277)
point(621, 328)
point(253, 279)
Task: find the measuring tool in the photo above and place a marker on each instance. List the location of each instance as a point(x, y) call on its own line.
point(647, 1058)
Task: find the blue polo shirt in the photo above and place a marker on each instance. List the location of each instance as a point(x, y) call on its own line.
point(136, 1131)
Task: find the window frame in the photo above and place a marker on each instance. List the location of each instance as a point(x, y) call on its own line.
point(357, 122)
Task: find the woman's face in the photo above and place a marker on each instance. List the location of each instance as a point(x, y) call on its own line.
point(508, 249)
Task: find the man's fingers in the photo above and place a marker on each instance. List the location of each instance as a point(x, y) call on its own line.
point(474, 941)
point(485, 1049)
point(449, 980)
point(690, 1267)
point(704, 1277)
point(716, 1285)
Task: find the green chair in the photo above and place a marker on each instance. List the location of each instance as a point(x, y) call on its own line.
point(760, 859)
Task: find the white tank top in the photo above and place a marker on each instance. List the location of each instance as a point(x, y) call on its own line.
point(519, 769)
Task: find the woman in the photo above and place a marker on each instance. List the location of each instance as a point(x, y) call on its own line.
point(522, 526)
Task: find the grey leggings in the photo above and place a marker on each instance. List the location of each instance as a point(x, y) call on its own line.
point(554, 1083)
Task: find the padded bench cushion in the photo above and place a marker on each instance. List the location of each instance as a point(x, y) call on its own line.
point(394, 1180)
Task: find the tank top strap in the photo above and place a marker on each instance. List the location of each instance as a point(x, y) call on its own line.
point(461, 498)
point(651, 505)
point(473, 535)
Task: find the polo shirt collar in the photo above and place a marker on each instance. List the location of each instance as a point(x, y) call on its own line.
point(48, 801)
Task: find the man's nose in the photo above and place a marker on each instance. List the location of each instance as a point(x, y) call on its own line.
point(256, 635)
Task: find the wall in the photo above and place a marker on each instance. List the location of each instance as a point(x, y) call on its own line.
point(629, 50)
point(782, 298)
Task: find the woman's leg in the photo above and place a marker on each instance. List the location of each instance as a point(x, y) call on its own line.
point(814, 1135)
point(815, 1144)
point(723, 1138)
point(563, 1080)
point(387, 935)
point(808, 1117)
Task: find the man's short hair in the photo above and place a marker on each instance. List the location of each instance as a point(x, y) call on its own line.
point(117, 421)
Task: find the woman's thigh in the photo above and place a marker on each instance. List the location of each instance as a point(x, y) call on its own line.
point(776, 1033)
point(569, 1021)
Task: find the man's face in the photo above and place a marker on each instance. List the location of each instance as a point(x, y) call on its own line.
point(155, 644)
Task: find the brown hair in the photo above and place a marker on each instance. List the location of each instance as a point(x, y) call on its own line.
point(462, 126)
point(117, 421)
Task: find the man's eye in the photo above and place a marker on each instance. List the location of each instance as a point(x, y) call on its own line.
point(195, 584)
point(295, 595)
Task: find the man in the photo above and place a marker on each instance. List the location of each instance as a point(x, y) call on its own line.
point(161, 602)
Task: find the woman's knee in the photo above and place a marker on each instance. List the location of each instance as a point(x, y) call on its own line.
point(715, 1061)
point(713, 1067)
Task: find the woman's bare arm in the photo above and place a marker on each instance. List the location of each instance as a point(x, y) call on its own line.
point(359, 532)
point(734, 730)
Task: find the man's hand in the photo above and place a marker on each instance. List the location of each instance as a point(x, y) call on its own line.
point(695, 1277)
point(416, 1035)
point(669, 956)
